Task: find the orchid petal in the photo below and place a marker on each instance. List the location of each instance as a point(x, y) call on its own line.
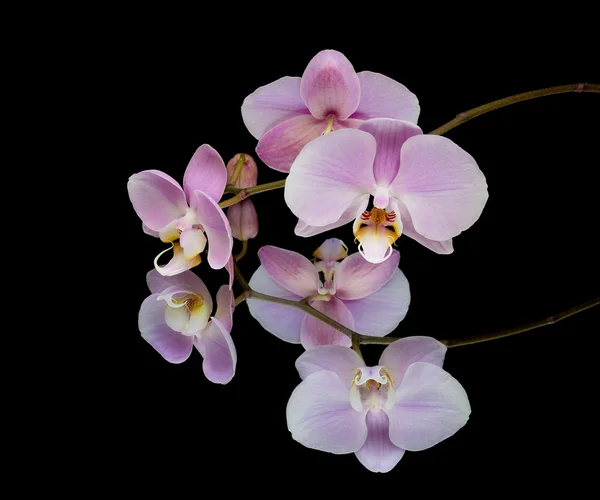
point(315, 332)
point(230, 269)
point(206, 172)
point(333, 358)
point(290, 270)
point(430, 406)
point(356, 278)
point(217, 349)
point(178, 263)
point(439, 247)
point(379, 454)
point(331, 249)
point(186, 280)
point(149, 231)
point(193, 242)
point(319, 415)
point(354, 210)
point(329, 175)
point(225, 307)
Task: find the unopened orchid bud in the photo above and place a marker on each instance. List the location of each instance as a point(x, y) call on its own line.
point(242, 171)
point(243, 220)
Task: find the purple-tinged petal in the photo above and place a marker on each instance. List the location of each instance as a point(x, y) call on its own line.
point(379, 454)
point(390, 136)
point(319, 415)
point(280, 146)
point(243, 220)
point(149, 231)
point(439, 247)
point(330, 86)
point(333, 358)
point(282, 321)
point(441, 186)
point(230, 269)
point(332, 249)
point(380, 313)
point(178, 263)
point(430, 406)
point(355, 278)
point(206, 172)
point(156, 198)
point(171, 345)
point(329, 175)
point(216, 226)
point(315, 333)
point(382, 97)
point(187, 280)
point(218, 351)
point(193, 242)
point(404, 352)
point(271, 104)
point(290, 270)
point(225, 306)
point(354, 210)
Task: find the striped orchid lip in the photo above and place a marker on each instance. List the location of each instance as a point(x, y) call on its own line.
point(376, 230)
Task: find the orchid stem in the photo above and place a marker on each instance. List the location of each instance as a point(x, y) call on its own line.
point(525, 96)
point(242, 194)
point(356, 344)
point(240, 298)
point(242, 252)
point(240, 277)
point(238, 169)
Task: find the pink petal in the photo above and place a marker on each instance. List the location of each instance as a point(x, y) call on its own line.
point(330, 86)
point(404, 352)
point(382, 97)
point(271, 104)
point(225, 306)
point(379, 454)
point(218, 351)
point(355, 209)
point(282, 321)
point(216, 226)
point(439, 247)
point(430, 406)
point(243, 220)
point(230, 269)
point(192, 241)
point(156, 198)
point(280, 145)
point(315, 333)
point(171, 345)
point(355, 278)
point(186, 280)
point(390, 136)
point(329, 175)
point(149, 231)
point(290, 270)
point(380, 313)
point(319, 415)
point(333, 358)
point(441, 186)
point(206, 172)
point(331, 249)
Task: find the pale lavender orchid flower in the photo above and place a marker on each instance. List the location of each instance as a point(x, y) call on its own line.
point(172, 213)
point(424, 186)
point(368, 298)
point(287, 114)
point(407, 402)
point(177, 316)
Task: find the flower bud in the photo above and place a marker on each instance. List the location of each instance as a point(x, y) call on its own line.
point(246, 175)
point(243, 220)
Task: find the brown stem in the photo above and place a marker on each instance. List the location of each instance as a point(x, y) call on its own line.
point(242, 194)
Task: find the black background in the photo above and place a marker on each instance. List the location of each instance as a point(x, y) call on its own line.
point(533, 253)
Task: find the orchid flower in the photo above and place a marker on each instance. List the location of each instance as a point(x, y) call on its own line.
point(191, 215)
point(177, 316)
point(287, 114)
point(407, 402)
point(368, 298)
point(422, 185)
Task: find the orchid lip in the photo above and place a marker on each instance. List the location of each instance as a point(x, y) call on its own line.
point(376, 231)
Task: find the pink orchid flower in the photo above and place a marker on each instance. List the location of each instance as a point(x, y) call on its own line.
point(364, 297)
point(172, 213)
point(423, 185)
point(407, 402)
point(177, 316)
point(287, 114)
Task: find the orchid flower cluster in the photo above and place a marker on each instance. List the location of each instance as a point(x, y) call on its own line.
point(353, 153)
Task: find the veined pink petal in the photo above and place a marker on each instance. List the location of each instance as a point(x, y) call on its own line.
point(355, 278)
point(333, 358)
point(280, 145)
point(329, 175)
point(290, 270)
point(390, 136)
point(218, 351)
point(206, 172)
point(282, 321)
point(354, 210)
point(330, 86)
point(216, 226)
point(187, 280)
point(439, 247)
point(243, 220)
point(225, 306)
point(271, 104)
point(379, 454)
point(319, 415)
point(178, 263)
point(149, 231)
point(404, 352)
point(430, 406)
point(315, 333)
point(192, 241)
point(156, 198)
point(380, 313)
point(382, 97)
point(441, 186)
point(171, 345)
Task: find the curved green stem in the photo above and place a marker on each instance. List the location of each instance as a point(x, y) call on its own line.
point(242, 194)
point(242, 251)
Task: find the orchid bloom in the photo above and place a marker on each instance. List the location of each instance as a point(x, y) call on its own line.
point(422, 185)
point(364, 297)
point(407, 402)
point(242, 216)
point(287, 114)
point(177, 316)
point(172, 213)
